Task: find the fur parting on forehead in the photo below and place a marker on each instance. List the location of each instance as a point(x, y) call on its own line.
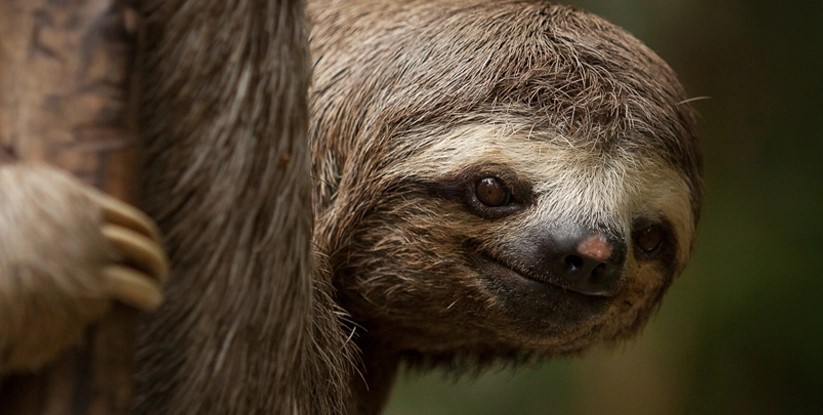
point(570, 181)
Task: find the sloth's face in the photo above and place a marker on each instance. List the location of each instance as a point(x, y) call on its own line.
point(494, 240)
point(498, 178)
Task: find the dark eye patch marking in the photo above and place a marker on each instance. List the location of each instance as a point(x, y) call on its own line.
point(654, 239)
point(489, 191)
point(649, 239)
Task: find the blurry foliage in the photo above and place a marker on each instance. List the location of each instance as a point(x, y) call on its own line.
point(739, 331)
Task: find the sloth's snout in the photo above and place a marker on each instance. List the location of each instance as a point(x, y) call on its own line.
point(589, 263)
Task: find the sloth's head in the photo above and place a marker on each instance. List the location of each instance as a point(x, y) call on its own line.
point(498, 180)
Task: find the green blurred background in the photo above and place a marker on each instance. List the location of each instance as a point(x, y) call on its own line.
point(741, 331)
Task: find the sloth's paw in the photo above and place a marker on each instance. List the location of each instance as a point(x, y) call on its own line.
point(67, 252)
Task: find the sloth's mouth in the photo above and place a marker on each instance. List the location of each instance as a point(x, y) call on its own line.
point(497, 266)
point(537, 305)
point(506, 265)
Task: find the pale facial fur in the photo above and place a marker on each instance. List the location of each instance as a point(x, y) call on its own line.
point(579, 184)
point(421, 238)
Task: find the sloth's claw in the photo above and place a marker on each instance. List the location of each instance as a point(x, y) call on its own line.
point(141, 267)
point(139, 251)
point(134, 288)
point(120, 213)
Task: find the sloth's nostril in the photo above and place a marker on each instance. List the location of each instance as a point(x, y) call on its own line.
point(573, 264)
point(599, 273)
point(584, 261)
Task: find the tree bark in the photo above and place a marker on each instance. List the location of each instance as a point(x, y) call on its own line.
point(68, 98)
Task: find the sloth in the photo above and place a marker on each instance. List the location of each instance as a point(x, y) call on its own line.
point(497, 181)
point(489, 182)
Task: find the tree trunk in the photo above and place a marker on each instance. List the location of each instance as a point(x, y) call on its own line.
point(67, 97)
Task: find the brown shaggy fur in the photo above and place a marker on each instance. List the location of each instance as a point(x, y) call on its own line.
point(413, 100)
point(413, 103)
point(243, 330)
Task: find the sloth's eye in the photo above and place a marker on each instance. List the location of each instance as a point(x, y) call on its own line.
point(649, 238)
point(491, 192)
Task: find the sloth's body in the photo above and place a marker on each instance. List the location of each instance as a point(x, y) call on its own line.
point(493, 181)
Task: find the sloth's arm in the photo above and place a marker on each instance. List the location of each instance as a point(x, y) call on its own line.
point(66, 251)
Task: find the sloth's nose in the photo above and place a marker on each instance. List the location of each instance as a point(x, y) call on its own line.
point(590, 263)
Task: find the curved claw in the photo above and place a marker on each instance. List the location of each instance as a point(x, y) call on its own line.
point(120, 213)
point(133, 287)
point(138, 251)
